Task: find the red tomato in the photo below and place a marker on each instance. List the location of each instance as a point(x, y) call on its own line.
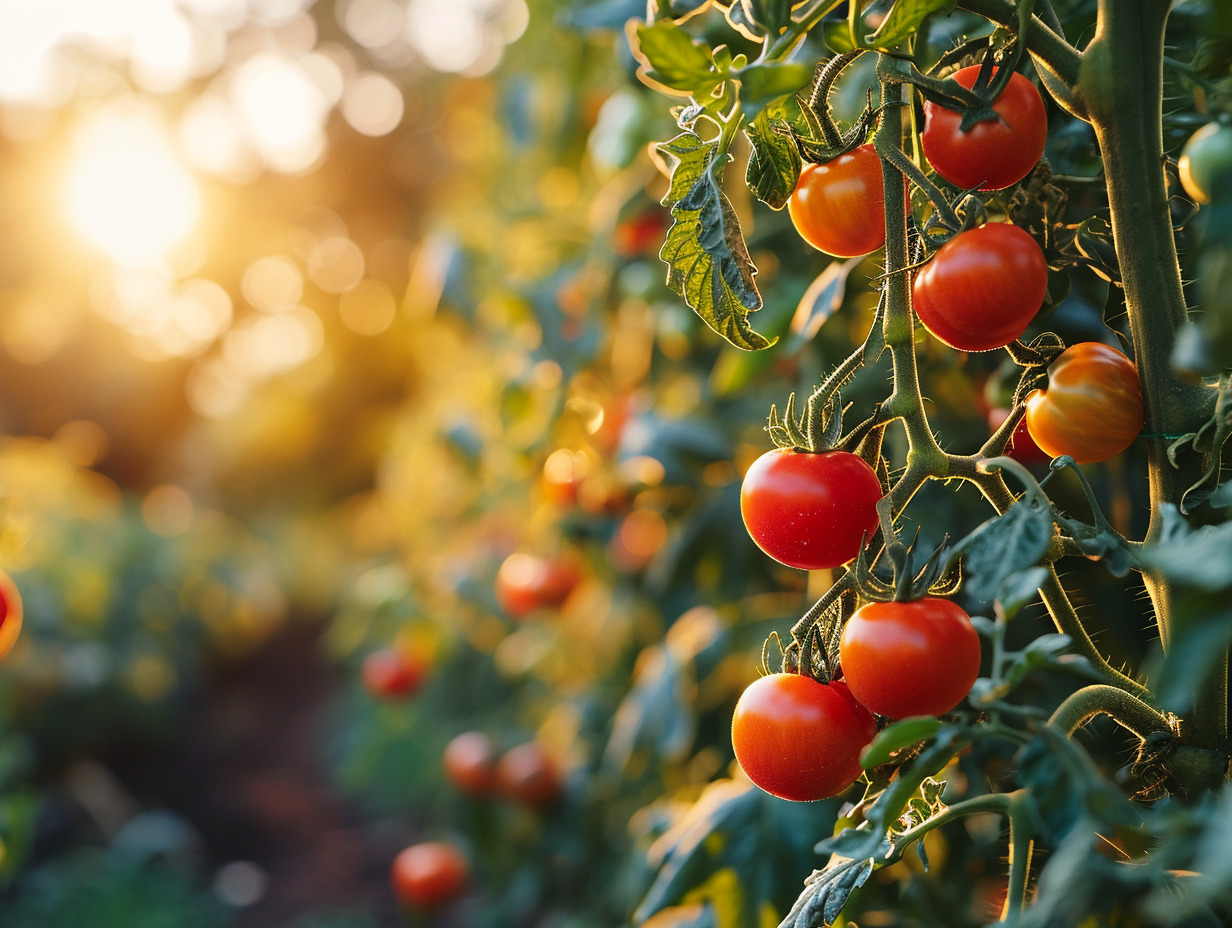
point(810, 510)
point(528, 775)
point(995, 153)
point(10, 613)
point(526, 582)
point(429, 874)
point(640, 234)
point(1092, 408)
point(910, 658)
point(982, 288)
point(839, 207)
point(800, 739)
point(469, 762)
point(1021, 446)
point(391, 673)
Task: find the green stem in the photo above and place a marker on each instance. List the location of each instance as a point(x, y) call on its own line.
point(1048, 48)
point(1126, 710)
point(1022, 842)
point(1121, 88)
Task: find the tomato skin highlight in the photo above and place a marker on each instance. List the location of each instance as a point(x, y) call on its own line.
point(982, 288)
point(807, 510)
point(839, 207)
point(799, 739)
point(429, 874)
point(910, 658)
point(1092, 408)
point(526, 582)
point(1206, 161)
point(994, 154)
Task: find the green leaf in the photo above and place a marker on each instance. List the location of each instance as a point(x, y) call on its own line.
point(656, 722)
point(774, 163)
point(904, 19)
point(820, 301)
point(1002, 547)
point(672, 60)
point(771, 15)
point(826, 892)
point(762, 83)
point(678, 10)
point(737, 848)
point(901, 734)
point(708, 262)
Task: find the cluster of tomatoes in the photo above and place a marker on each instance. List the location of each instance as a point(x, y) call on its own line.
point(799, 737)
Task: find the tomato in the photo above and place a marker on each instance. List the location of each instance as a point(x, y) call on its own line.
point(810, 510)
point(995, 153)
point(839, 207)
point(528, 775)
point(800, 739)
point(429, 874)
point(469, 762)
point(1021, 446)
point(982, 288)
point(526, 582)
point(640, 234)
point(910, 658)
point(1092, 407)
point(10, 613)
point(1206, 160)
point(391, 673)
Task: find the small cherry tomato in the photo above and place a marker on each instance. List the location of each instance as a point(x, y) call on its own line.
point(1206, 161)
point(810, 510)
point(526, 582)
point(469, 762)
point(10, 613)
point(994, 153)
point(1092, 407)
point(910, 658)
point(799, 739)
point(1021, 446)
point(839, 207)
point(982, 288)
point(392, 673)
point(527, 775)
point(429, 874)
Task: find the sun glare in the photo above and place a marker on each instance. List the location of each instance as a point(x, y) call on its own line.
point(126, 193)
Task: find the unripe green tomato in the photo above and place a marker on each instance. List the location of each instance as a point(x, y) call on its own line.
point(1206, 161)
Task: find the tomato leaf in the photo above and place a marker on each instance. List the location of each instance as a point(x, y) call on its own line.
point(820, 301)
point(734, 847)
point(673, 61)
point(901, 734)
point(655, 722)
point(678, 10)
point(772, 16)
point(762, 83)
point(708, 262)
point(827, 891)
point(904, 20)
point(1002, 547)
point(775, 162)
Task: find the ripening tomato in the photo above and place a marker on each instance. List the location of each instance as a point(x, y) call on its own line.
point(994, 153)
point(1092, 407)
point(1206, 161)
point(429, 874)
point(392, 673)
point(982, 288)
point(526, 582)
point(528, 775)
point(910, 658)
point(810, 510)
point(469, 762)
point(799, 739)
point(10, 613)
point(839, 207)
point(1021, 446)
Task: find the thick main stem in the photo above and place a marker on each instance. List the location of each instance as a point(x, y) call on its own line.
point(1121, 89)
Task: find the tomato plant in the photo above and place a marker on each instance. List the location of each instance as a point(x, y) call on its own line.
point(996, 152)
point(800, 739)
point(1206, 160)
point(837, 206)
point(1092, 406)
point(918, 657)
point(528, 775)
point(469, 762)
point(982, 288)
point(429, 874)
point(810, 510)
point(1021, 446)
point(392, 672)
